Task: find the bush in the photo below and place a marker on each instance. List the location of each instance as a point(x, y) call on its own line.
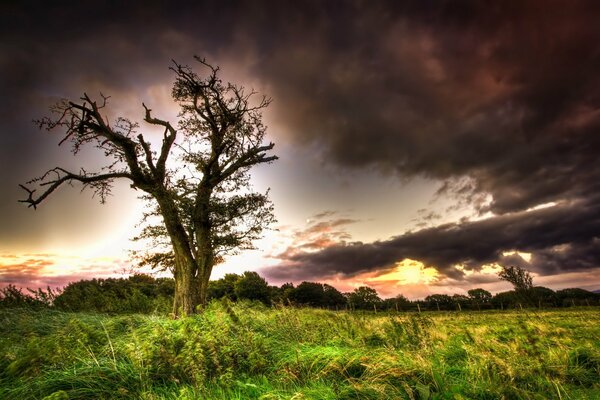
point(11, 296)
point(136, 294)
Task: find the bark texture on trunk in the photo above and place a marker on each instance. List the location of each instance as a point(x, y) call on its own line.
point(191, 272)
point(187, 294)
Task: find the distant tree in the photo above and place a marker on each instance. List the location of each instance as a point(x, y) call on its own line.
point(509, 299)
point(543, 297)
point(252, 286)
point(275, 294)
point(309, 294)
point(402, 302)
point(461, 301)
point(142, 279)
point(87, 295)
point(575, 296)
point(332, 297)
point(398, 303)
point(224, 287)
point(204, 204)
point(520, 278)
point(439, 302)
point(522, 282)
point(364, 298)
point(165, 287)
point(285, 292)
point(479, 297)
point(136, 294)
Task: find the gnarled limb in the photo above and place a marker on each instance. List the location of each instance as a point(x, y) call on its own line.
point(55, 177)
point(169, 137)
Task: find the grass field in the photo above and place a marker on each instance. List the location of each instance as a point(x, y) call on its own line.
point(246, 351)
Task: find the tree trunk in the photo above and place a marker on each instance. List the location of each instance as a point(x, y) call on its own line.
point(203, 278)
point(187, 288)
point(205, 252)
point(186, 299)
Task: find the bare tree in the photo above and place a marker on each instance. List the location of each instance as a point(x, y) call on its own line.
point(205, 200)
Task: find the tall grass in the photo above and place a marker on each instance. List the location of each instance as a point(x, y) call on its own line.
point(248, 351)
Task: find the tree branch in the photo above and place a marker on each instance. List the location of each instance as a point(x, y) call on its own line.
point(100, 182)
point(253, 156)
point(148, 153)
point(168, 140)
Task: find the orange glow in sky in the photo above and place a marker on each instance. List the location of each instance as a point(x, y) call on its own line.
point(409, 272)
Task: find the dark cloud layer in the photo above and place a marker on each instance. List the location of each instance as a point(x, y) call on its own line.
point(561, 238)
point(504, 93)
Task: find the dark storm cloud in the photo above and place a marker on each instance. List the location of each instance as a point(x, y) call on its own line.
point(506, 93)
point(561, 238)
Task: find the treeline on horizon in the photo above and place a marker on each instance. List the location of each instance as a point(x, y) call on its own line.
point(142, 293)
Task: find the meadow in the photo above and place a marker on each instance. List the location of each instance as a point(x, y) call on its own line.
point(249, 351)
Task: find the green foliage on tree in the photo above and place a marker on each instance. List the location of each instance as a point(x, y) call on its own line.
point(252, 286)
point(505, 300)
point(308, 294)
point(332, 297)
point(136, 294)
point(480, 297)
point(520, 278)
point(13, 297)
point(439, 302)
point(576, 297)
point(398, 303)
point(224, 287)
point(364, 298)
point(316, 294)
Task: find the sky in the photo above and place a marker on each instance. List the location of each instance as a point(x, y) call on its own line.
point(422, 144)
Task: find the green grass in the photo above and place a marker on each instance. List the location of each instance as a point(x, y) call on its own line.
point(246, 351)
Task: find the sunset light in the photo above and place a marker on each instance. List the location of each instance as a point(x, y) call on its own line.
point(409, 272)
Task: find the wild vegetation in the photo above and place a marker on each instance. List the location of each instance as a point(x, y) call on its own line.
point(114, 338)
point(246, 350)
point(145, 294)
